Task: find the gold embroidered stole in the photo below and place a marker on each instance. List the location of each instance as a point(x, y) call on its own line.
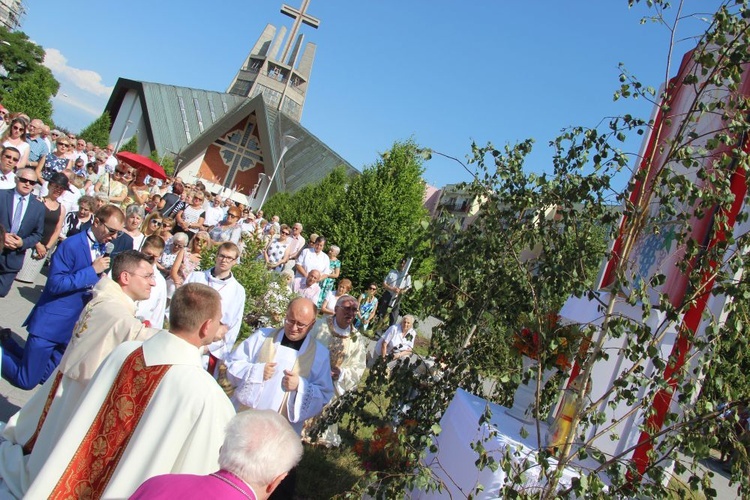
point(97, 457)
point(302, 365)
point(29, 446)
point(337, 345)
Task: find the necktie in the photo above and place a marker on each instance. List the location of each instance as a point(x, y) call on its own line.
point(16, 225)
point(100, 248)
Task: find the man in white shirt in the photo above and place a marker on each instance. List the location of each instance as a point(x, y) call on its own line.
point(214, 213)
point(232, 294)
point(9, 158)
point(111, 164)
point(314, 258)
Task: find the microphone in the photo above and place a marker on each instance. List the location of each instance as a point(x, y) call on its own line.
point(108, 248)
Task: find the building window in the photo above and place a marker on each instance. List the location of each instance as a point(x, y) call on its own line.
point(184, 118)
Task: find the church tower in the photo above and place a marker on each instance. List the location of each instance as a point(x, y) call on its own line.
point(281, 74)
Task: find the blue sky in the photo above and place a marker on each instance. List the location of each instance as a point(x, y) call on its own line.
point(442, 72)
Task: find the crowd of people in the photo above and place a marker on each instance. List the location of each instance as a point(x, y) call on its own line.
point(124, 253)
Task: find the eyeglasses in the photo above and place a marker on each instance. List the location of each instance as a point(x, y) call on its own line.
point(12, 158)
point(285, 233)
point(23, 180)
point(19, 128)
point(296, 324)
point(221, 256)
point(350, 308)
point(113, 232)
point(233, 215)
point(148, 277)
point(373, 288)
point(155, 222)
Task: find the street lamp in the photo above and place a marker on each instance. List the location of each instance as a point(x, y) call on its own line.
point(288, 141)
point(124, 131)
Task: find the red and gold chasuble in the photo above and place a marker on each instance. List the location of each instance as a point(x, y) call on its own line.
point(97, 457)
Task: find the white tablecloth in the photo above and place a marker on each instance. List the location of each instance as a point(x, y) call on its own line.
point(454, 462)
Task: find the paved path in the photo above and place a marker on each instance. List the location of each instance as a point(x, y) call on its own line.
point(13, 311)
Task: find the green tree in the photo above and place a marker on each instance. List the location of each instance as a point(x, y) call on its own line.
point(166, 161)
point(97, 131)
point(375, 218)
point(493, 283)
point(28, 85)
point(131, 146)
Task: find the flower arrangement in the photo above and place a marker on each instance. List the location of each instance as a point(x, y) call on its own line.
point(385, 449)
point(555, 346)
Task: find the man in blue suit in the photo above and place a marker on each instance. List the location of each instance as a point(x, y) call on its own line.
point(22, 217)
point(74, 270)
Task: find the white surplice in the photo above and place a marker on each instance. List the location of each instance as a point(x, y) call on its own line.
point(245, 372)
point(107, 321)
point(153, 308)
point(180, 431)
point(232, 309)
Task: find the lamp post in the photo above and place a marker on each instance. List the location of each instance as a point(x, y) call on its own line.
point(288, 141)
point(124, 131)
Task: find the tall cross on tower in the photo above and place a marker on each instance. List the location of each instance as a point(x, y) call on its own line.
point(299, 16)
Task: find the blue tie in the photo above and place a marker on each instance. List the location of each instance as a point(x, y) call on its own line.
point(100, 248)
point(16, 224)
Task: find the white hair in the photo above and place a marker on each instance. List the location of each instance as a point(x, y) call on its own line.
point(180, 238)
point(336, 250)
point(259, 446)
point(409, 317)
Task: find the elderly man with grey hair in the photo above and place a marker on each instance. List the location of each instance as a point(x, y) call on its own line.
point(348, 353)
point(259, 450)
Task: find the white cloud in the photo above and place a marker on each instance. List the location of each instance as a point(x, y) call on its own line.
point(85, 79)
point(92, 109)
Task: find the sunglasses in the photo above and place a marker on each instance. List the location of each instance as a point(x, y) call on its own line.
point(19, 128)
point(26, 181)
point(156, 222)
point(285, 233)
point(113, 232)
point(12, 158)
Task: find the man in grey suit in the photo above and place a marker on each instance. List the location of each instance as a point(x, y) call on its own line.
point(22, 217)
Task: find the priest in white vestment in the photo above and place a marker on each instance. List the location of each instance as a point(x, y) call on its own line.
point(107, 321)
point(220, 278)
point(347, 350)
point(285, 369)
point(150, 409)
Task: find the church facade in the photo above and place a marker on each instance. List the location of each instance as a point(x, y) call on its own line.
point(246, 143)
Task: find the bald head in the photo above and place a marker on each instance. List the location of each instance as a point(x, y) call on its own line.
point(300, 317)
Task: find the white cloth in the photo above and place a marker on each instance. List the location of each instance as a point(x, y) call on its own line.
point(232, 309)
point(154, 308)
point(110, 165)
point(245, 372)
point(69, 199)
point(214, 215)
point(106, 322)
point(8, 181)
point(180, 431)
point(310, 260)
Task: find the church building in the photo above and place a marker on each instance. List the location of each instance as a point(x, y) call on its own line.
point(246, 143)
